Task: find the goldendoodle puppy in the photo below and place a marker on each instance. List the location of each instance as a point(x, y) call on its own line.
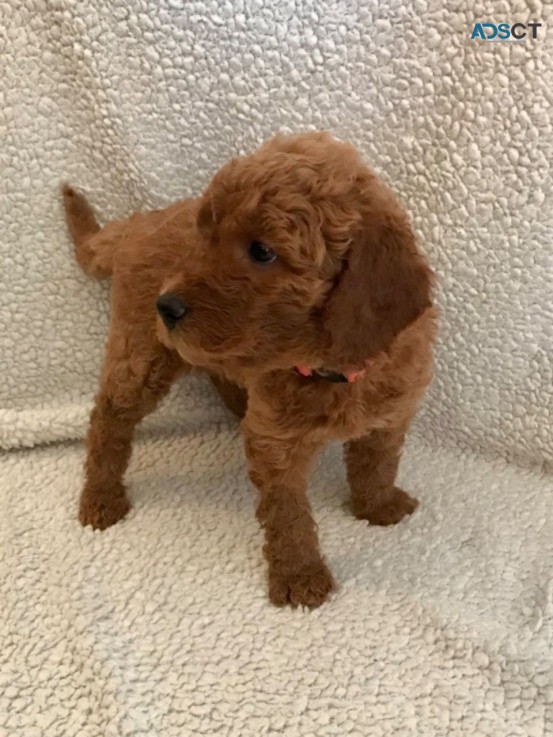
point(295, 282)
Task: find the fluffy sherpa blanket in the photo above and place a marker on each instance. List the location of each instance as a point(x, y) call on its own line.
point(160, 626)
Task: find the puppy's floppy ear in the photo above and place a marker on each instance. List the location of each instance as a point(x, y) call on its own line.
point(205, 220)
point(383, 287)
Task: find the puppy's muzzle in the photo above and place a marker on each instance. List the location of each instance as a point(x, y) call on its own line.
point(171, 309)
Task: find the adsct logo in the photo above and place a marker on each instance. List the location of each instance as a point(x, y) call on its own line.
point(515, 33)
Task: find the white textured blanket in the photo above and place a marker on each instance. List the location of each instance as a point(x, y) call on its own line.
point(160, 626)
point(441, 626)
point(139, 102)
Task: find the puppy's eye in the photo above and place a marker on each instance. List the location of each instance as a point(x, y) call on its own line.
point(260, 254)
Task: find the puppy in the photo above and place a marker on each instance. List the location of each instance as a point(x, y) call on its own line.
point(295, 282)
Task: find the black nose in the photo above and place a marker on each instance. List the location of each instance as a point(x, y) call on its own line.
point(171, 309)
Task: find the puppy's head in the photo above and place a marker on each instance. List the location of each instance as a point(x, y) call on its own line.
point(305, 259)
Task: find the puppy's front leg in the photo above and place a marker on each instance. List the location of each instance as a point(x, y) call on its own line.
point(279, 468)
point(372, 463)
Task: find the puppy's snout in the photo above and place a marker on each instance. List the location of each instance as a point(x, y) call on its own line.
point(171, 309)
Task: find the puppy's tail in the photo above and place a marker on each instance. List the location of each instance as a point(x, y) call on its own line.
point(94, 253)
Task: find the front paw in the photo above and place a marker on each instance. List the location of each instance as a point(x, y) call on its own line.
point(102, 510)
point(309, 586)
point(391, 510)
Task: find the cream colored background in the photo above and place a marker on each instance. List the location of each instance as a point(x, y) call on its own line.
point(138, 103)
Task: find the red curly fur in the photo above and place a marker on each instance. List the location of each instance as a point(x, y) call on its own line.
point(348, 291)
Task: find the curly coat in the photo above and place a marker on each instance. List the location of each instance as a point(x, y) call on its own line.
point(347, 291)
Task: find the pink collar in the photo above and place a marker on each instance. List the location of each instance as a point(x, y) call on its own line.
point(348, 377)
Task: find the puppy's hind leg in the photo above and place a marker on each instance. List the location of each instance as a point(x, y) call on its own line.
point(136, 375)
